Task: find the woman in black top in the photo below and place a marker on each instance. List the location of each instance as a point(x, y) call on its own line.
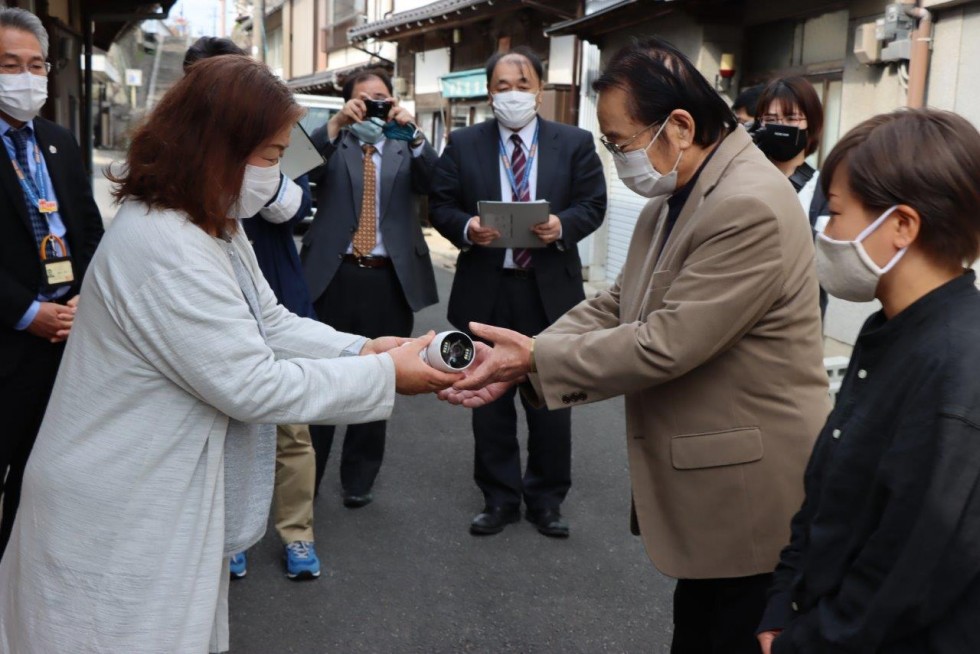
point(788, 127)
point(885, 552)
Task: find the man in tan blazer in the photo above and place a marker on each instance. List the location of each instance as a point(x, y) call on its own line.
point(712, 332)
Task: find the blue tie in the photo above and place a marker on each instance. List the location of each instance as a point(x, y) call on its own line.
point(39, 223)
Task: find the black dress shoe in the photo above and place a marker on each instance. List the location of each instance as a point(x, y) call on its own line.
point(494, 519)
point(549, 522)
point(352, 501)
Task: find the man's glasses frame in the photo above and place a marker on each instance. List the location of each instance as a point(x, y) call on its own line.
point(616, 149)
point(35, 68)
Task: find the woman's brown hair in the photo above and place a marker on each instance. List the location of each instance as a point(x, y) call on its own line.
point(190, 153)
point(926, 159)
point(794, 93)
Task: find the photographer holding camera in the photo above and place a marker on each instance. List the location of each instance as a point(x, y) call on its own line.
point(364, 256)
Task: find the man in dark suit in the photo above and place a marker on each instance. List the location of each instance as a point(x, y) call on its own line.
point(364, 256)
point(49, 229)
point(518, 157)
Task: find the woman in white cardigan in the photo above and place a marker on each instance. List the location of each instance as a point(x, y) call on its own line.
point(156, 460)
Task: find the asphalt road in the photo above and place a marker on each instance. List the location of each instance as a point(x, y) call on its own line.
point(404, 575)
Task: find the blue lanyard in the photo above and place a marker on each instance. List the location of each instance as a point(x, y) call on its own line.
point(32, 187)
point(525, 178)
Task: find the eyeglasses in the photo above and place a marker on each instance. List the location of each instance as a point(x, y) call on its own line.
point(775, 119)
point(616, 149)
point(40, 68)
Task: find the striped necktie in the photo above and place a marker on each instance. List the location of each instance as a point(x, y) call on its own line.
point(518, 163)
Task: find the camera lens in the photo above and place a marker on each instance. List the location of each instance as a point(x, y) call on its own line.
point(378, 108)
point(457, 350)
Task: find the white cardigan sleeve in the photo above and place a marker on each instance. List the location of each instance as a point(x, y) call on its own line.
point(287, 334)
point(193, 325)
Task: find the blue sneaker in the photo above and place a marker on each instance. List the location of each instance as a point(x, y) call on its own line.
point(301, 560)
point(238, 565)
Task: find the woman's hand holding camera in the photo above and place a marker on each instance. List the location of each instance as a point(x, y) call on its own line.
point(412, 375)
point(383, 344)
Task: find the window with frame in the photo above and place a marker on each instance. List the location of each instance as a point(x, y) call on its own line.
point(343, 15)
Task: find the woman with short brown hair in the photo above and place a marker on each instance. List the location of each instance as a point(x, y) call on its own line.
point(883, 555)
point(155, 461)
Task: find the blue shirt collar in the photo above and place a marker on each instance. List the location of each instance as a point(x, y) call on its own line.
point(6, 127)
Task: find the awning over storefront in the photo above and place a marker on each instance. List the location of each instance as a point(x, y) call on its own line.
point(464, 84)
point(592, 27)
point(405, 23)
point(450, 13)
point(113, 18)
point(330, 82)
point(628, 13)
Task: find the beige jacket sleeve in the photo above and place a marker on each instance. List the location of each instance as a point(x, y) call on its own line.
point(732, 276)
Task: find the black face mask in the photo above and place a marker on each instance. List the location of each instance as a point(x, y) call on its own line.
point(779, 142)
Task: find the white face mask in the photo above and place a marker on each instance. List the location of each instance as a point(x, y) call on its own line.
point(23, 95)
point(844, 268)
point(639, 175)
point(515, 109)
point(259, 186)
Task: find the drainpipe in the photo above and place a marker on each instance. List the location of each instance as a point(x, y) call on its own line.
point(919, 58)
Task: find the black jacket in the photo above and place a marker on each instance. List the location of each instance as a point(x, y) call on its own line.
point(570, 177)
point(20, 265)
point(885, 552)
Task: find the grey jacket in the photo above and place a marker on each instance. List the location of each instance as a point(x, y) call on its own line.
point(340, 187)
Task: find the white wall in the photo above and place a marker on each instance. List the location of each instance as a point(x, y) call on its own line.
point(561, 60)
point(956, 55)
point(301, 39)
point(406, 5)
point(953, 79)
point(429, 66)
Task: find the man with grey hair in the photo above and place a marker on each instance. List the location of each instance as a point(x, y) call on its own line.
point(49, 229)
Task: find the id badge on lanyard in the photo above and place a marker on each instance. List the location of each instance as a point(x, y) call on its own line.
point(58, 270)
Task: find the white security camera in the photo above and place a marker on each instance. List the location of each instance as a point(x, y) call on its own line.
point(449, 352)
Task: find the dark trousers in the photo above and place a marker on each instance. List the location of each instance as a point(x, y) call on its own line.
point(718, 616)
point(369, 302)
point(497, 461)
point(24, 395)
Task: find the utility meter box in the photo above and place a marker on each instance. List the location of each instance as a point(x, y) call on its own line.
point(867, 47)
point(894, 32)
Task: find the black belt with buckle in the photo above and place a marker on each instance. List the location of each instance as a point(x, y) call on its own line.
point(519, 273)
point(368, 262)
